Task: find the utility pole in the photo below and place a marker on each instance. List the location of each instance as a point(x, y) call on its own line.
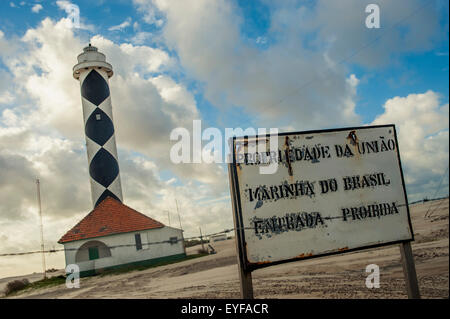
point(168, 215)
point(41, 226)
point(201, 238)
point(179, 218)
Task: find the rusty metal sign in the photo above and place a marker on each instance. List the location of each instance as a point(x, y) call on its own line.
point(333, 191)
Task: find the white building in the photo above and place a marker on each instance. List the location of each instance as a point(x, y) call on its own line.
point(114, 235)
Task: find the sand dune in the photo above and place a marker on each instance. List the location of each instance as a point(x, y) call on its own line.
point(342, 276)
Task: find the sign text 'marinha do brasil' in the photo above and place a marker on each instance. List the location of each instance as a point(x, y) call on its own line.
point(333, 191)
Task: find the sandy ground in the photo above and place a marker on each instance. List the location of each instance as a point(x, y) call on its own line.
point(342, 276)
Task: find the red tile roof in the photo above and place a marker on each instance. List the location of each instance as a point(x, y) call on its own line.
point(109, 217)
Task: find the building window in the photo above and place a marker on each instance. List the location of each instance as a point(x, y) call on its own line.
point(98, 117)
point(93, 253)
point(137, 238)
point(173, 240)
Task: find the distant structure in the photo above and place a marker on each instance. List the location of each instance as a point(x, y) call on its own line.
point(93, 73)
point(112, 235)
point(218, 237)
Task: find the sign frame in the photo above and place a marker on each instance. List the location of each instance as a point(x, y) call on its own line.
point(245, 267)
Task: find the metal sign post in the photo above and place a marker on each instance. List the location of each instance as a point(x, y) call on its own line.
point(245, 276)
point(246, 283)
point(409, 270)
point(334, 191)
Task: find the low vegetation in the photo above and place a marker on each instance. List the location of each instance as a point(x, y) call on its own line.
point(15, 286)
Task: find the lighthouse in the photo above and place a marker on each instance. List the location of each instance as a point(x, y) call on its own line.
point(111, 223)
point(93, 72)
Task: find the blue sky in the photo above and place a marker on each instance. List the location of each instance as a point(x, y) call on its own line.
point(407, 73)
point(295, 65)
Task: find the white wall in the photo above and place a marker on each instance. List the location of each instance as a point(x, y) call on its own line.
point(129, 254)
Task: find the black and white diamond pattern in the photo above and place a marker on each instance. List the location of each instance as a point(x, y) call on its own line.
point(100, 140)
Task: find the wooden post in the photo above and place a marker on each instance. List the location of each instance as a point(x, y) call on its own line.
point(246, 283)
point(179, 218)
point(245, 277)
point(409, 270)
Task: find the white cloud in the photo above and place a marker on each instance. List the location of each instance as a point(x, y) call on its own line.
point(6, 98)
point(41, 132)
point(292, 82)
point(278, 86)
point(64, 4)
point(151, 14)
point(121, 26)
point(261, 40)
point(36, 8)
point(142, 125)
point(141, 37)
point(422, 125)
point(289, 79)
point(294, 85)
point(336, 26)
